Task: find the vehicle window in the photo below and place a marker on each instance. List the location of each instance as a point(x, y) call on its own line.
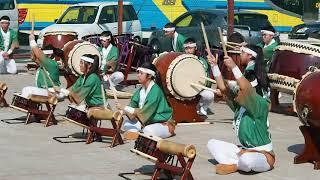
point(196, 20)
point(251, 21)
point(107, 15)
point(185, 21)
point(79, 15)
point(295, 6)
point(209, 19)
point(129, 14)
point(7, 4)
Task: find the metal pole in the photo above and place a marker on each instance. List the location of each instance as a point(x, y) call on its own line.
point(230, 16)
point(120, 16)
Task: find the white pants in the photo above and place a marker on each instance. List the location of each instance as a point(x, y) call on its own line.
point(115, 79)
point(228, 153)
point(7, 66)
point(26, 91)
point(206, 99)
point(156, 129)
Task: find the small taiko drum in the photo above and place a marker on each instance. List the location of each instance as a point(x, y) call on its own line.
point(73, 50)
point(307, 99)
point(146, 146)
point(77, 115)
point(58, 39)
point(178, 72)
point(23, 104)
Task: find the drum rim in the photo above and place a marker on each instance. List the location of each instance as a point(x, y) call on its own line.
point(60, 33)
point(298, 47)
point(169, 74)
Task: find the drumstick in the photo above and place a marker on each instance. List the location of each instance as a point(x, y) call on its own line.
point(103, 96)
point(48, 76)
point(233, 47)
point(205, 36)
point(222, 42)
point(32, 23)
point(202, 87)
point(209, 79)
point(233, 43)
point(113, 90)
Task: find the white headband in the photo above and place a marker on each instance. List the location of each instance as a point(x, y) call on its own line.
point(148, 71)
point(87, 59)
point(46, 52)
point(169, 29)
point(267, 32)
point(104, 38)
point(249, 51)
point(191, 45)
point(4, 20)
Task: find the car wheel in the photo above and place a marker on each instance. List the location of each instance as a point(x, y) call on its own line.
point(155, 44)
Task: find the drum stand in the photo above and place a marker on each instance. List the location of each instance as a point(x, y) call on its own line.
point(311, 152)
point(46, 114)
point(3, 102)
point(170, 169)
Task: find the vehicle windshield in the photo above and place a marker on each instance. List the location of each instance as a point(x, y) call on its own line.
point(6, 4)
point(251, 21)
point(79, 15)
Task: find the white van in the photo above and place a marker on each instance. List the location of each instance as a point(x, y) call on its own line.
point(89, 19)
point(9, 8)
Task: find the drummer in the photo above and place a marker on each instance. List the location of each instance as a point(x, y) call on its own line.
point(47, 75)
point(177, 39)
point(250, 124)
point(87, 88)
point(110, 56)
point(149, 105)
point(268, 45)
point(207, 97)
point(8, 42)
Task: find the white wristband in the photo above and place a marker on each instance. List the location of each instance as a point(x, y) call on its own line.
point(1, 52)
point(128, 109)
point(66, 92)
point(236, 72)
point(9, 51)
point(33, 43)
point(216, 71)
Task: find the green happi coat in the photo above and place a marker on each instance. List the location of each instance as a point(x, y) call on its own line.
point(155, 108)
point(42, 79)
point(250, 120)
point(89, 89)
point(207, 68)
point(179, 44)
point(13, 38)
point(268, 52)
point(113, 55)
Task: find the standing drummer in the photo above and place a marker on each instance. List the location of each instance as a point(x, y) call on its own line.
point(207, 97)
point(148, 105)
point(47, 75)
point(177, 39)
point(268, 45)
point(8, 42)
point(110, 56)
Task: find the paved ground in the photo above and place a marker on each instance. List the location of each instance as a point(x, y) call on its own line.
point(29, 152)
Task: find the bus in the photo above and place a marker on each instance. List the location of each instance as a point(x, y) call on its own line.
point(156, 13)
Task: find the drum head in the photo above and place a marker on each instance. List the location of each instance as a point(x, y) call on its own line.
point(79, 50)
point(183, 71)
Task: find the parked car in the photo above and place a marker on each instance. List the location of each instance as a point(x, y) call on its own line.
point(91, 19)
point(249, 24)
point(303, 31)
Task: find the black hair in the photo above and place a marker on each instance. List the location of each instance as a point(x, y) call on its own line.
point(108, 33)
point(5, 18)
point(259, 68)
point(170, 25)
point(95, 65)
point(189, 40)
point(149, 65)
point(56, 51)
point(236, 37)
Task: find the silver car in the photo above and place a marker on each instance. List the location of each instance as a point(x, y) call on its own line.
point(249, 24)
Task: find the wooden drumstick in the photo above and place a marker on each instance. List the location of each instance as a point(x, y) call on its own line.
point(209, 79)
point(103, 96)
point(222, 42)
point(205, 36)
point(202, 87)
point(233, 43)
point(233, 47)
point(113, 89)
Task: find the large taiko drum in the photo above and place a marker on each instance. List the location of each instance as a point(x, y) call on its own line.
point(58, 39)
point(73, 50)
point(178, 72)
point(307, 99)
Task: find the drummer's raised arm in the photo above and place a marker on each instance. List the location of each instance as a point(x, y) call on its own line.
point(216, 72)
point(36, 51)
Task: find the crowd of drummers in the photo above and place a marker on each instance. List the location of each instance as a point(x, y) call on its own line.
point(149, 111)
